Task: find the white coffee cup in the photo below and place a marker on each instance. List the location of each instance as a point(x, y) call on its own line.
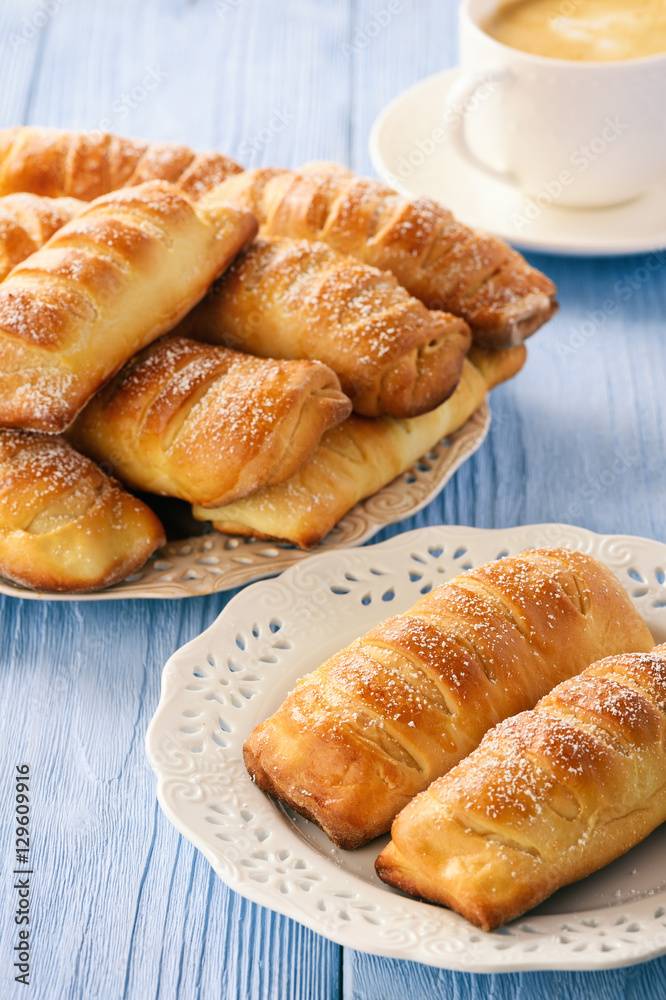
point(584, 134)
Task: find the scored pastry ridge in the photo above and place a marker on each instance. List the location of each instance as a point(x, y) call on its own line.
point(64, 524)
point(27, 222)
point(301, 299)
point(548, 797)
point(208, 424)
point(357, 458)
point(379, 721)
point(85, 165)
point(117, 276)
point(437, 259)
point(112, 241)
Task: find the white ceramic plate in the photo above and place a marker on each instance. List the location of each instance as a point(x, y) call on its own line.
point(207, 563)
point(406, 155)
point(220, 685)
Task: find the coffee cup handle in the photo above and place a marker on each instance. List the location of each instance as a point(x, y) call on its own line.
point(458, 97)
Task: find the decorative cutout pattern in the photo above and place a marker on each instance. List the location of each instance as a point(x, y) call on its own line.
point(209, 563)
point(237, 672)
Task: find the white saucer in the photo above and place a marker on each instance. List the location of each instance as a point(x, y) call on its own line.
point(397, 142)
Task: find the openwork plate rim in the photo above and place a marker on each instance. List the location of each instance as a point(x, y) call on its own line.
point(216, 689)
point(210, 563)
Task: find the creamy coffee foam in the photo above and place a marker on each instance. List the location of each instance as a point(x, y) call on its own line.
point(591, 30)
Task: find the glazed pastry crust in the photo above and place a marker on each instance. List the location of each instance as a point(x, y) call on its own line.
point(437, 259)
point(121, 273)
point(27, 222)
point(549, 796)
point(64, 525)
point(295, 299)
point(379, 721)
point(85, 165)
point(207, 424)
point(357, 458)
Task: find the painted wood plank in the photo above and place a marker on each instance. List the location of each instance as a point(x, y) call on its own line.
point(402, 980)
point(124, 906)
point(132, 909)
point(578, 437)
point(22, 38)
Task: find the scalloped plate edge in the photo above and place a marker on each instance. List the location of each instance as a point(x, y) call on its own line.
point(244, 559)
point(544, 534)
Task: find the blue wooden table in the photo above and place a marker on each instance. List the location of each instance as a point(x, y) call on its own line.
point(122, 906)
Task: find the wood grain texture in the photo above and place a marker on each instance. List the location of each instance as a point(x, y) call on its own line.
point(124, 907)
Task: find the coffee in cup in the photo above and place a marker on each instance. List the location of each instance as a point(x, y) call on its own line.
point(585, 132)
point(584, 30)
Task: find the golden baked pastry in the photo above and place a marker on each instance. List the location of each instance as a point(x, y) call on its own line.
point(297, 299)
point(549, 796)
point(207, 424)
point(436, 258)
point(57, 162)
point(27, 222)
point(380, 720)
point(120, 274)
point(357, 458)
point(64, 525)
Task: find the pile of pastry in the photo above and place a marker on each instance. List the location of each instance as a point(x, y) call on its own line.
point(509, 729)
point(269, 346)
